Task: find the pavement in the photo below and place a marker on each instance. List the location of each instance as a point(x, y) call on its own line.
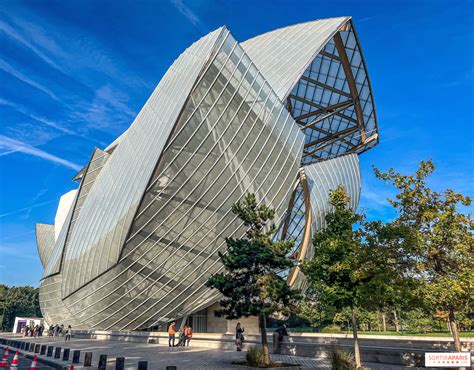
point(161, 356)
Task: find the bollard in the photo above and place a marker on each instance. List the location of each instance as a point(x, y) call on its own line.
point(66, 354)
point(76, 355)
point(171, 368)
point(142, 365)
point(120, 363)
point(37, 348)
point(88, 359)
point(57, 352)
point(102, 362)
point(43, 349)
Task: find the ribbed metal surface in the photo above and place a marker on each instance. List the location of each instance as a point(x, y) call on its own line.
point(328, 175)
point(233, 137)
point(284, 54)
point(152, 212)
point(108, 210)
point(44, 241)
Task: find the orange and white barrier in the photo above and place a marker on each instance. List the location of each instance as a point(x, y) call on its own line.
point(33, 364)
point(4, 362)
point(14, 365)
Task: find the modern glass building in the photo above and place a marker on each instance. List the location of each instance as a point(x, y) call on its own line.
point(283, 115)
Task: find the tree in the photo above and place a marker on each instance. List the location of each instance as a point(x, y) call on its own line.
point(386, 260)
point(17, 301)
point(251, 285)
point(334, 271)
point(442, 251)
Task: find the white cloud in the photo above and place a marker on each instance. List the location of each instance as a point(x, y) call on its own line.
point(4, 66)
point(189, 14)
point(43, 120)
point(12, 145)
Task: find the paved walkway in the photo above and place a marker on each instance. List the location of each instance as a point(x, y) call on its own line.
point(160, 356)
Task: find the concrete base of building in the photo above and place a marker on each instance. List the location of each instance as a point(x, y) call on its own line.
point(392, 350)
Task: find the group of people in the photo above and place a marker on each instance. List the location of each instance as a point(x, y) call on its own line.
point(58, 331)
point(185, 335)
point(33, 331)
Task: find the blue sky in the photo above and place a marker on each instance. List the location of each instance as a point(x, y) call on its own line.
point(73, 75)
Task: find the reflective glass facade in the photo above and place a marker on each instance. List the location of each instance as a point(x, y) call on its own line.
point(152, 211)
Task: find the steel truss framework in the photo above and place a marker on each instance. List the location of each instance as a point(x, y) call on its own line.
point(141, 236)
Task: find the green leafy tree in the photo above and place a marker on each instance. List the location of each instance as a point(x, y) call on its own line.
point(442, 250)
point(17, 301)
point(334, 271)
point(386, 255)
point(251, 285)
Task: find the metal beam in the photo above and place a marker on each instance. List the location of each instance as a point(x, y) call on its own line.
point(329, 55)
point(332, 113)
point(329, 108)
point(327, 87)
point(341, 50)
point(331, 136)
point(304, 246)
point(330, 140)
point(315, 105)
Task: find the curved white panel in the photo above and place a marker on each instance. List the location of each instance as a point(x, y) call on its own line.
point(108, 210)
point(65, 203)
point(328, 175)
point(44, 241)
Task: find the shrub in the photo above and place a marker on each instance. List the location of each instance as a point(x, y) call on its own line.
point(255, 357)
point(331, 329)
point(342, 360)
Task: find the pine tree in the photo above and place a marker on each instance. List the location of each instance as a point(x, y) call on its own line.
point(251, 284)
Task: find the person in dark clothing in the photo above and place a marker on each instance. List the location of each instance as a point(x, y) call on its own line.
point(278, 335)
point(68, 333)
point(239, 336)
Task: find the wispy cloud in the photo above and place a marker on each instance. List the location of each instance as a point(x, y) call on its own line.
point(16, 211)
point(189, 14)
point(14, 34)
point(4, 66)
point(43, 120)
point(12, 145)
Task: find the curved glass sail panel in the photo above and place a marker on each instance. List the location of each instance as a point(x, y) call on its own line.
point(233, 137)
point(96, 242)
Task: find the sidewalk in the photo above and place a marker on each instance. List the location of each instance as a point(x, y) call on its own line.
point(160, 356)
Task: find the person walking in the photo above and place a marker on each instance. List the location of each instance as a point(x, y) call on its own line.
point(239, 336)
point(171, 334)
point(182, 336)
point(68, 333)
point(278, 335)
point(37, 329)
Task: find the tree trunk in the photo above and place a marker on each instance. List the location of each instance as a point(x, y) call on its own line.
point(395, 320)
point(384, 321)
point(378, 321)
point(454, 330)
point(356, 338)
point(263, 332)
